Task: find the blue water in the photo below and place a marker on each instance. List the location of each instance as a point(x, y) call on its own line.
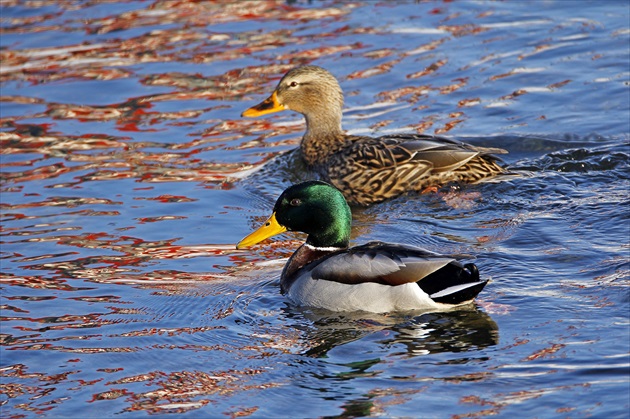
point(128, 175)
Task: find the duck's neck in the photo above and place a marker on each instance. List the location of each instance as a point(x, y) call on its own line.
point(324, 136)
point(332, 238)
point(304, 255)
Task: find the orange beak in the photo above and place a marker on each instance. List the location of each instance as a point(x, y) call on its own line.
point(269, 105)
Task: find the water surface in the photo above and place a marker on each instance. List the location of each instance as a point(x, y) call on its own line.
point(128, 175)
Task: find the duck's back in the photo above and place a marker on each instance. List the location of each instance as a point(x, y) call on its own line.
point(381, 277)
point(369, 170)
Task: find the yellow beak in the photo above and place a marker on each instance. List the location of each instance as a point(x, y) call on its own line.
point(269, 105)
point(268, 229)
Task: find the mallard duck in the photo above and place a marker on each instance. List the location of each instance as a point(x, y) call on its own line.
point(376, 277)
point(368, 169)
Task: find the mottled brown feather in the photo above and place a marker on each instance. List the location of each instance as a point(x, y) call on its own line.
point(371, 169)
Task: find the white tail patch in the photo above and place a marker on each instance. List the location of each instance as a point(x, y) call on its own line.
point(454, 289)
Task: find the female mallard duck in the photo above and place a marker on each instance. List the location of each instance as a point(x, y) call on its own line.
point(367, 169)
point(376, 277)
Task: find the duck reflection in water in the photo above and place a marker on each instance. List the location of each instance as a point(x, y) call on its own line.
point(462, 330)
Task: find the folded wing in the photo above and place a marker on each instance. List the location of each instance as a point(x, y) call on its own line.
point(443, 278)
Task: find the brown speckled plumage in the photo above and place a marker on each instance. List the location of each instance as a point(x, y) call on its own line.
point(370, 169)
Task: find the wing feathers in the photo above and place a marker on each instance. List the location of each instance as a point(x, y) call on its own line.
point(415, 270)
point(441, 279)
point(380, 263)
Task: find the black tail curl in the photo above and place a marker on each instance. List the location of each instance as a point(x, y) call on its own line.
point(474, 272)
point(464, 279)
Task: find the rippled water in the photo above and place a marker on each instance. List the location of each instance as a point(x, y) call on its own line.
point(128, 175)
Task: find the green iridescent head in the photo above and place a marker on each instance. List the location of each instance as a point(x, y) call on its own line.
point(315, 208)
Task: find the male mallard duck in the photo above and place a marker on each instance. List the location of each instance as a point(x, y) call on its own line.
point(376, 277)
point(367, 169)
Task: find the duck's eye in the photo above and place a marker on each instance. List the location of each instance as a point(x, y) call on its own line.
point(293, 84)
point(295, 202)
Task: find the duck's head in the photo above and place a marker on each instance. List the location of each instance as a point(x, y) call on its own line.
point(309, 90)
point(315, 208)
